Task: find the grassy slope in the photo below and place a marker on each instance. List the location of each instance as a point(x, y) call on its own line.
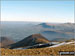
point(39, 51)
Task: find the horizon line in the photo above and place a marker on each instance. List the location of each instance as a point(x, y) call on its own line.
point(37, 21)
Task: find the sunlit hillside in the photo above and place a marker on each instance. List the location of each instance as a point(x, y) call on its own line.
point(38, 51)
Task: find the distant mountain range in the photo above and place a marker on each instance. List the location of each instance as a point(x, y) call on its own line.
point(65, 27)
point(57, 32)
point(37, 34)
point(56, 35)
point(51, 31)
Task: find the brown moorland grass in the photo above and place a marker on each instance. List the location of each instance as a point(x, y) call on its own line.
point(38, 51)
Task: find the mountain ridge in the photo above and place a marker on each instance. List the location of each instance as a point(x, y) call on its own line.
point(30, 41)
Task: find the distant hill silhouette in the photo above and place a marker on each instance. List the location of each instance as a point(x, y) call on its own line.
point(55, 31)
point(47, 25)
point(5, 41)
point(30, 41)
point(65, 27)
point(57, 35)
point(59, 39)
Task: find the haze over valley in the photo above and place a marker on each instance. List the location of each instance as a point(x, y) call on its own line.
point(19, 30)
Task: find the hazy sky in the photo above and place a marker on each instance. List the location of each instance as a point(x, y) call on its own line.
point(38, 11)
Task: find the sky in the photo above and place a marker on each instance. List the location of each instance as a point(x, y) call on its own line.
point(38, 11)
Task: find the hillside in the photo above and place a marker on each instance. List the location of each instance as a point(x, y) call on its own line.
point(30, 41)
point(40, 51)
point(5, 41)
